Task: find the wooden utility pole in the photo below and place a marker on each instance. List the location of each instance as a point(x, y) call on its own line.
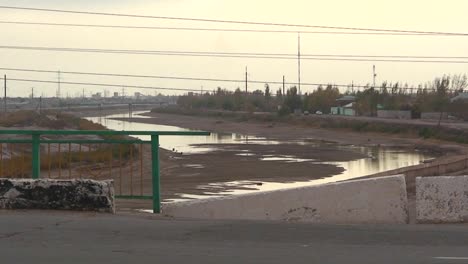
point(246, 80)
point(58, 85)
point(374, 75)
point(283, 86)
point(5, 97)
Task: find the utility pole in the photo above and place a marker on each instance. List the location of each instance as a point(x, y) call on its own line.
point(58, 84)
point(299, 62)
point(374, 75)
point(246, 80)
point(5, 97)
point(283, 86)
point(32, 93)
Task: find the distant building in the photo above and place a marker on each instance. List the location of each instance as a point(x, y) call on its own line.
point(345, 106)
point(460, 96)
point(97, 95)
point(346, 110)
point(116, 94)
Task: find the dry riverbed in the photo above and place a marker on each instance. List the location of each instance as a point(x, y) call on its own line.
point(256, 162)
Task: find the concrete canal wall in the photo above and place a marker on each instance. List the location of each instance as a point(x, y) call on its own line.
point(378, 200)
point(442, 166)
point(394, 114)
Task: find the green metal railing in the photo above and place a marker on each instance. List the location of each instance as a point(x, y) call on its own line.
point(36, 141)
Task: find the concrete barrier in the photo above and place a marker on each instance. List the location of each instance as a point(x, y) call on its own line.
point(442, 199)
point(82, 195)
point(378, 200)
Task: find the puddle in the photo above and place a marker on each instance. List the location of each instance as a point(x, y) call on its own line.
point(284, 158)
point(194, 166)
point(245, 154)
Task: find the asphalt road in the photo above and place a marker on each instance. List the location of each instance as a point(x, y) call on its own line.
point(51, 237)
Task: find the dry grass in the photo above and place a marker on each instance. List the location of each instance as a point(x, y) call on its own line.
point(19, 165)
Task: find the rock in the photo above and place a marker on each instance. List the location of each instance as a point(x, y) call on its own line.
point(78, 195)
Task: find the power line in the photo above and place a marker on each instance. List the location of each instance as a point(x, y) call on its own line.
point(232, 53)
point(106, 84)
point(318, 57)
point(221, 29)
point(195, 90)
point(187, 78)
point(228, 21)
point(124, 75)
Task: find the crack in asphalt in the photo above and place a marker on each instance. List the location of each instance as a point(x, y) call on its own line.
point(37, 228)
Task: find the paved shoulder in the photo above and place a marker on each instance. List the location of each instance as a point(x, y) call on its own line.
point(51, 237)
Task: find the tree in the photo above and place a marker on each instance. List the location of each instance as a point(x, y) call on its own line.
point(459, 82)
point(267, 90)
point(292, 101)
point(321, 99)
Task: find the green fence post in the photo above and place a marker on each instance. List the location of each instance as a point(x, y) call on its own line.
point(155, 173)
point(36, 156)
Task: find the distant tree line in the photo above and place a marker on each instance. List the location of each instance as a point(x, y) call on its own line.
point(435, 96)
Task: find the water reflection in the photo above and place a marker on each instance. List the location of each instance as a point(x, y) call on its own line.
point(178, 143)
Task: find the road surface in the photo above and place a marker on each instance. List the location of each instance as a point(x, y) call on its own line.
point(55, 237)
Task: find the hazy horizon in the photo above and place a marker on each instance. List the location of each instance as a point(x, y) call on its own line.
point(447, 16)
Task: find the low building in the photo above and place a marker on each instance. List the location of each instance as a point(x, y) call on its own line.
point(345, 106)
point(460, 96)
point(346, 110)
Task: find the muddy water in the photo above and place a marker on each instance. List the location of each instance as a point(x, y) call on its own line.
point(377, 159)
point(184, 144)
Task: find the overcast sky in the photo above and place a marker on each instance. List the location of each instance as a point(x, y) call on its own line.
point(428, 15)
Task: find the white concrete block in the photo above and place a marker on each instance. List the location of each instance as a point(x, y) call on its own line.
point(442, 199)
point(377, 200)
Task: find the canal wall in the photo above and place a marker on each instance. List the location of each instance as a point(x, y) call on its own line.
point(378, 201)
point(442, 166)
point(394, 114)
point(442, 199)
point(80, 195)
point(434, 116)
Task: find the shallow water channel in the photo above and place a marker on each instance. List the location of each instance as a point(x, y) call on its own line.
point(377, 159)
